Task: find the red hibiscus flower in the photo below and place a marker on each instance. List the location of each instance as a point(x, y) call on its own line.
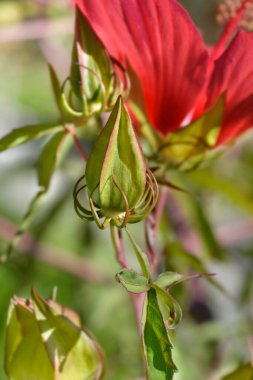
point(179, 78)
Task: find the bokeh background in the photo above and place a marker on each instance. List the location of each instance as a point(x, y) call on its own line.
point(61, 250)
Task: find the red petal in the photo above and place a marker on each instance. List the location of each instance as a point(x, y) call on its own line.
point(233, 73)
point(163, 47)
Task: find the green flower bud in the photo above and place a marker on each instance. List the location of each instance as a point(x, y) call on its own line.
point(116, 166)
point(93, 78)
point(120, 187)
point(45, 341)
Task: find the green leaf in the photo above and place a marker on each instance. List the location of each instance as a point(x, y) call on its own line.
point(74, 354)
point(46, 165)
point(156, 344)
point(199, 219)
point(24, 134)
point(171, 310)
point(48, 159)
point(222, 186)
point(168, 279)
point(244, 372)
point(132, 281)
point(56, 86)
point(141, 257)
point(25, 356)
point(205, 231)
point(184, 258)
point(116, 164)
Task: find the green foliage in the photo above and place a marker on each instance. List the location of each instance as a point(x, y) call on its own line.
point(156, 344)
point(167, 279)
point(24, 134)
point(208, 180)
point(48, 159)
point(132, 281)
point(46, 166)
point(171, 310)
point(141, 257)
point(57, 91)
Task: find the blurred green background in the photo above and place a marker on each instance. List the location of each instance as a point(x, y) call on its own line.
point(78, 259)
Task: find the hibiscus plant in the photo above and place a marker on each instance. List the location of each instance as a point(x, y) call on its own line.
point(145, 102)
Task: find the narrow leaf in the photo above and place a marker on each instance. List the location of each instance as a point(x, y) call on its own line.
point(168, 279)
point(205, 230)
point(157, 347)
point(223, 187)
point(48, 159)
point(46, 166)
point(24, 134)
point(181, 257)
point(56, 86)
point(141, 257)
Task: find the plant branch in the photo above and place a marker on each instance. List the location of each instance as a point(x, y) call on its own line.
point(79, 148)
point(36, 30)
point(118, 244)
point(53, 257)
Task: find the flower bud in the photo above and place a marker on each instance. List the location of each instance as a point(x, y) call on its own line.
point(44, 341)
point(116, 169)
point(93, 79)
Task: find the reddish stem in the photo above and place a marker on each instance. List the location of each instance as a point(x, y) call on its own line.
point(79, 148)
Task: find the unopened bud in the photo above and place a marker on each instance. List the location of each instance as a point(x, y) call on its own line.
point(44, 341)
point(120, 187)
point(116, 165)
point(94, 79)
